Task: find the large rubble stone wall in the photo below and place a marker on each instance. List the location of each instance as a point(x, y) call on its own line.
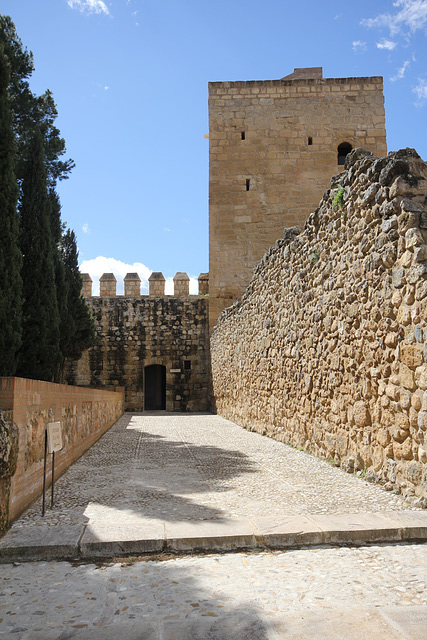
point(326, 349)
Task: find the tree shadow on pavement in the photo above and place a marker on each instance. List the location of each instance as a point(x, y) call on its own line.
point(154, 477)
point(131, 601)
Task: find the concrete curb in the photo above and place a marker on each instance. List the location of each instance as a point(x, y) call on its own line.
point(85, 542)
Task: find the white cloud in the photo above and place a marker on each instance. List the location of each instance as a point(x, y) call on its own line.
point(106, 88)
point(401, 72)
point(359, 46)
point(85, 228)
point(97, 266)
point(386, 44)
point(421, 91)
point(412, 15)
point(89, 6)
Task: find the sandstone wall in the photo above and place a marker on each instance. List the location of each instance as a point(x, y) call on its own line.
point(326, 350)
point(135, 332)
point(273, 146)
point(26, 407)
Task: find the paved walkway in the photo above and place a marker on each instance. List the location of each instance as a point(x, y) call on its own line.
point(170, 483)
point(177, 482)
point(364, 593)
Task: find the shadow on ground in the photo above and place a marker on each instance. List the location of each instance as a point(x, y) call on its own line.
point(141, 601)
point(153, 477)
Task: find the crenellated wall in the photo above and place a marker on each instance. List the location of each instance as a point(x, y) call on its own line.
point(135, 332)
point(326, 349)
point(156, 283)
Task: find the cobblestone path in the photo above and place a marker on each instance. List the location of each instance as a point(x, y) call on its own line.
point(365, 593)
point(177, 467)
point(185, 471)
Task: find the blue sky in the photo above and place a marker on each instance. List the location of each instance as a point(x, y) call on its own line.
point(130, 79)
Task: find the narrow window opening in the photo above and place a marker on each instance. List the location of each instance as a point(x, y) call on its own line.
point(243, 134)
point(310, 140)
point(343, 150)
point(187, 364)
point(248, 184)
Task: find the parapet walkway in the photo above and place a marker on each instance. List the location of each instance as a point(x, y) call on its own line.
point(196, 482)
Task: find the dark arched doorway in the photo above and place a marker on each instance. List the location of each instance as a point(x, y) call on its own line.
point(155, 388)
point(343, 150)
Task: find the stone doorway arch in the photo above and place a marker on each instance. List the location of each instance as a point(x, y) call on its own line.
point(155, 387)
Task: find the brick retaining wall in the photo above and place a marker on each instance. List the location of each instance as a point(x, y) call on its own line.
point(85, 415)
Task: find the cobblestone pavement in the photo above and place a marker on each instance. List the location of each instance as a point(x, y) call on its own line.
point(366, 593)
point(180, 471)
point(193, 467)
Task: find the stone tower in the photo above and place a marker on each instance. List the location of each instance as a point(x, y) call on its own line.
point(273, 147)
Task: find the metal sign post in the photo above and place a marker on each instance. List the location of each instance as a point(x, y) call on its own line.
point(53, 442)
point(44, 472)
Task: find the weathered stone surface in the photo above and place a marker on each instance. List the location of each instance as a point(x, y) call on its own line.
point(272, 151)
point(346, 368)
point(361, 414)
point(407, 378)
point(138, 331)
point(411, 355)
point(9, 436)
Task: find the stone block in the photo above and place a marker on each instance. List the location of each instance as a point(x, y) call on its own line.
point(407, 377)
point(361, 414)
point(132, 285)
point(156, 283)
point(421, 376)
point(411, 355)
point(107, 285)
point(181, 284)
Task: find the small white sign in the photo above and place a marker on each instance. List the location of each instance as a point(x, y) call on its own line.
point(54, 437)
point(175, 370)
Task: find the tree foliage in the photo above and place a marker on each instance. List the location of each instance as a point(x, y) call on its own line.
point(31, 111)
point(10, 255)
point(56, 323)
point(80, 332)
point(39, 356)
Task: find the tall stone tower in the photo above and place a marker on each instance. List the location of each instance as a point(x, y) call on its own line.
point(273, 147)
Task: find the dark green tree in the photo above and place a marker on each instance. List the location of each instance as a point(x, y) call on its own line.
point(10, 255)
point(40, 356)
point(56, 323)
point(57, 229)
point(31, 111)
point(78, 330)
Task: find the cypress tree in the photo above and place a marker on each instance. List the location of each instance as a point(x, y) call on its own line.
point(61, 285)
point(10, 255)
point(79, 332)
point(39, 357)
point(29, 110)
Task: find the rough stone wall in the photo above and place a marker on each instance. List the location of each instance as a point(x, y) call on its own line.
point(8, 459)
point(26, 406)
point(327, 350)
point(136, 332)
point(273, 146)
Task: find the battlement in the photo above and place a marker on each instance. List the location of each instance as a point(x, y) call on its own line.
point(132, 285)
